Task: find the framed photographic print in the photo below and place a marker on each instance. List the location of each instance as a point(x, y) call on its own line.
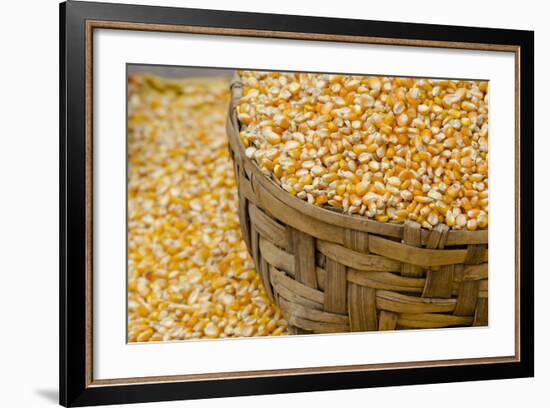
point(256, 203)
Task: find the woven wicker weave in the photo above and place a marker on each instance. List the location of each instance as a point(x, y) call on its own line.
point(334, 272)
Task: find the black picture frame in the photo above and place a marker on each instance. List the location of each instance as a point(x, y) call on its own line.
point(76, 386)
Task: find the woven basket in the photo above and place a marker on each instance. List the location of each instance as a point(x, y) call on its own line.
point(333, 272)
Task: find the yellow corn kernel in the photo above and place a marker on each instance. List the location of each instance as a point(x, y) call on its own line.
point(369, 130)
point(151, 281)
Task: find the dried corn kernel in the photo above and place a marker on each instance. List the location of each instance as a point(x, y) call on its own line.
point(379, 144)
point(189, 273)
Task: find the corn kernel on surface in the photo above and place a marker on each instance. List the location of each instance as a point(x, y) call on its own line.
point(189, 273)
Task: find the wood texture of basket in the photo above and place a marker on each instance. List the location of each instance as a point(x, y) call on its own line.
point(334, 272)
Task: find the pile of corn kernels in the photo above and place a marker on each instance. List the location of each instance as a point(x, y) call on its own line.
point(189, 273)
point(391, 149)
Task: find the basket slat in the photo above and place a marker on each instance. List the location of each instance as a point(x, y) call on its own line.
point(481, 316)
point(432, 320)
point(362, 308)
point(335, 287)
point(356, 240)
point(313, 314)
point(304, 258)
point(439, 282)
point(267, 227)
point(357, 260)
point(420, 256)
point(412, 236)
point(399, 303)
point(467, 298)
point(277, 257)
point(292, 297)
point(278, 277)
point(388, 320)
point(386, 281)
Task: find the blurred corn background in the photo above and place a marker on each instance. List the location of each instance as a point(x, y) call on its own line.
point(189, 273)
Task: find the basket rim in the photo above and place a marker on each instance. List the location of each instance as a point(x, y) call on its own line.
point(323, 213)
